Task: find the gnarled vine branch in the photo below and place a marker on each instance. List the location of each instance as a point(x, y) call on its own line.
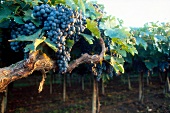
point(86, 58)
point(41, 62)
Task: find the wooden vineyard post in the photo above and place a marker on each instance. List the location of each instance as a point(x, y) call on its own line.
point(64, 87)
point(82, 82)
point(94, 95)
point(98, 99)
point(4, 101)
point(160, 76)
point(129, 83)
point(147, 78)
point(141, 87)
point(167, 84)
point(103, 87)
point(51, 83)
point(70, 78)
point(4, 94)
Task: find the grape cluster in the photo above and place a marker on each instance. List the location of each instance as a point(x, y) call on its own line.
point(100, 68)
point(98, 9)
point(111, 71)
point(61, 23)
point(42, 12)
point(163, 66)
point(18, 30)
point(108, 43)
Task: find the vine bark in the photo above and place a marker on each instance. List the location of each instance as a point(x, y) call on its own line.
point(39, 61)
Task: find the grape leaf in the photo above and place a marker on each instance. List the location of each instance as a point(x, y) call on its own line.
point(133, 50)
point(51, 44)
point(81, 6)
point(92, 26)
point(18, 20)
point(140, 41)
point(88, 38)
point(115, 33)
point(150, 65)
point(107, 57)
point(69, 43)
point(116, 65)
point(37, 42)
point(36, 35)
point(160, 38)
point(4, 13)
point(119, 67)
point(108, 24)
point(168, 33)
point(54, 2)
point(76, 1)
point(36, 22)
point(34, 45)
point(71, 4)
point(5, 23)
point(27, 15)
point(122, 52)
point(29, 47)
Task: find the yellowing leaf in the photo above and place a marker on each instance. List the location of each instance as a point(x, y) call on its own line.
point(92, 26)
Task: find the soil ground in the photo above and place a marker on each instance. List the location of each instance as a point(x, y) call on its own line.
point(117, 99)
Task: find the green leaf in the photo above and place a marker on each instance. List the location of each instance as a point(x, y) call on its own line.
point(118, 41)
point(27, 15)
point(131, 49)
point(92, 26)
point(76, 1)
point(122, 52)
point(71, 4)
point(37, 42)
point(115, 33)
point(54, 2)
point(36, 22)
point(88, 38)
point(18, 20)
point(51, 44)
point(33, 46)
point(107, 57)
point(36, 35)
point(81, 6)
point(118, 67)
point(150, 65)
point(108, 24)
point(119, 60)
point(140, 41)
point(69, 43)
point(116, 62)
point(112, 61)
point(5, 12)
point(29, 47)
point(5, 23)
point(160, 38)
point(90, 9)
point(128, 59)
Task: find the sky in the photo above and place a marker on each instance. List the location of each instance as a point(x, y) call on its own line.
point(135, 13)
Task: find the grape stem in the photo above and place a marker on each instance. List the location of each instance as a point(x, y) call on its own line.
point(39, 61)
point(86, 58)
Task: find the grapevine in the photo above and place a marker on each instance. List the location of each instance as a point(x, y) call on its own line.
point(59, 24)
